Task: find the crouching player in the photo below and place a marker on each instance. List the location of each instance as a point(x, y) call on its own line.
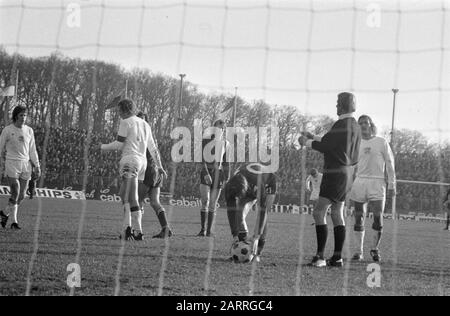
point(151, 187)
point(241, 193)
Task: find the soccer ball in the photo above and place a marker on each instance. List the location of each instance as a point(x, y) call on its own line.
point(241, 252)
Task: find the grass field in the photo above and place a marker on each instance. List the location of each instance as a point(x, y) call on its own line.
point(422, 251)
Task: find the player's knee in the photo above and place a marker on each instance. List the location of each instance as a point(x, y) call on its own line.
point(14, 194)
point(377, 224)
point(155, 205)
point(20, 198)
point(337, 216)
point(125, 198)
point(212, 209)
point(318, 216)
point(159, 210)
point(359, 221)
point(205, 202)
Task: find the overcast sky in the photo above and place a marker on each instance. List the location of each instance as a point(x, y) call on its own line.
point(299, 53)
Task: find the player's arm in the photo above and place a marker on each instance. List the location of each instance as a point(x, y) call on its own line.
point(121, 137)
point(355, 172)
point(34, 156)
point(329, 141)
point(154, 152)
point(308, 183)
point(205, 171)
point(390, 168)
point(269, 199)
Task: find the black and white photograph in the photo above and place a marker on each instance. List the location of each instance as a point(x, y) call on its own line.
point(225, 153)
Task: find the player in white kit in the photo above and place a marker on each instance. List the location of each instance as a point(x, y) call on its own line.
point(18, 158)
point(369, 188)
point(313, 182)
point(133, 139)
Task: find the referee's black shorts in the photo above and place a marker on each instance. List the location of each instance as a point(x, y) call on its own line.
point(337, 183)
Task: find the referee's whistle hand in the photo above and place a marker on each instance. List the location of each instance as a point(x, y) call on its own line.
point(308, 135)
point(302, 140)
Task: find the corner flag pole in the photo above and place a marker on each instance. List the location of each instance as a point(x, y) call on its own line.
point(180, 100)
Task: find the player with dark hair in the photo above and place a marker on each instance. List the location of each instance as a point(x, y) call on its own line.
point(133, 139)
point(447, 207)
point(17, 154)
point(151, 187)
point(369, 188)
point(213, 176)
point(340, 147)
point(242, 191)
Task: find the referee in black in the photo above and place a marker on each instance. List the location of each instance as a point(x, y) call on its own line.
point(340, 147)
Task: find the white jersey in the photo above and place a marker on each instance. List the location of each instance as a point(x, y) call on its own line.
point(138, 136)
point(19, 144)
point(375, 156)
point(313, 184)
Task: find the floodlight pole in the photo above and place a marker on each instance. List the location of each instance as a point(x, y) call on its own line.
point(395, 91)
point(180, 102)
point(394, 198)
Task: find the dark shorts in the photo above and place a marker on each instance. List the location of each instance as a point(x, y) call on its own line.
point(153, 178)
point(221, 179)
point(335, 185)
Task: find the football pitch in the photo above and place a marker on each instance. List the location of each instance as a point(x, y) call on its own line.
point(415, 260)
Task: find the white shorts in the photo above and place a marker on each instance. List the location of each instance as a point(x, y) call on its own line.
point(365, 190)
point(18, 169)
point(133, 167)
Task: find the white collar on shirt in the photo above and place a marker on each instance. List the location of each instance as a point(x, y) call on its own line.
point(347, 115)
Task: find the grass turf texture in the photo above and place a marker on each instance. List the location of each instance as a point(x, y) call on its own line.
point(422, 252)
